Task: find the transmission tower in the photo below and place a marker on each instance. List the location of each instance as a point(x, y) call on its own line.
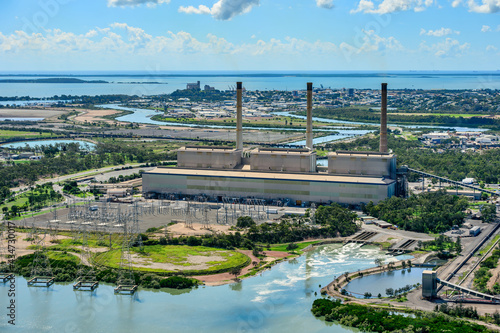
point(86, 276)
point(5, 274)
point(41, 271)
point(312, 213)
point(126, 281)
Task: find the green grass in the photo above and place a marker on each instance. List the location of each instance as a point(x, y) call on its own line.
point(490, 244)
point(19, 201)
point(63, 256)
point(177, 255)
point(383, 245)
point(7, 134)
point(476, 204)
point(282, 247)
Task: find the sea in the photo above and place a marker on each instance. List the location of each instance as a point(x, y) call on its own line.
point(154, 83)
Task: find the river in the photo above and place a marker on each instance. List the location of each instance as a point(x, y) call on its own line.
point(277, 300)
point(143, 116)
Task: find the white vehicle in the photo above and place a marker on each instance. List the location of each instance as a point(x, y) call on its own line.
point(93, 208)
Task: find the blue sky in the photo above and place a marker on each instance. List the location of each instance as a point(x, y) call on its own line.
point(292, 35)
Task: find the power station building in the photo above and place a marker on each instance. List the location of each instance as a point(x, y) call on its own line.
point(291, 175)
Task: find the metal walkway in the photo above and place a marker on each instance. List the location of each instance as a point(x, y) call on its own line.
point(446, 180)
point(469, 291)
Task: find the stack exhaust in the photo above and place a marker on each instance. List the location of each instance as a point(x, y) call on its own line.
point(239, 117)
point(309, 129)
point(383, 120)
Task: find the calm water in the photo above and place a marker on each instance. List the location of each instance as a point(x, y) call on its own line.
point(32, 144)
point(378, 283)
point(254, 81)
point(278, 300)
point(21, 119)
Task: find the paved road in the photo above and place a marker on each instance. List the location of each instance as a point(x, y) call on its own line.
point(79, 174)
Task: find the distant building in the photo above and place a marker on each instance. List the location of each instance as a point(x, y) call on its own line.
point(193, 86)
point(25, 155)
point(436, 136)
point(474, 231)
point(207, 87)
point(468, 181)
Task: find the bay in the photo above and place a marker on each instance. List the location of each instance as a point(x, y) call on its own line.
point(164, 83)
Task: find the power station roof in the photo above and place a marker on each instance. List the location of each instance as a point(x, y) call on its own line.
point(316, 177)
point(278, 151)
point(368, 154)
point(206, 148)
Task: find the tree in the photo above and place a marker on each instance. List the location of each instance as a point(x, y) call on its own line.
point(389, 292)
point(235, 271)
point(245, 222)
point(337, 219)
point(14, 209)
point(458, 245)
point(488, 213)
point(379, 262)
point(368, 295)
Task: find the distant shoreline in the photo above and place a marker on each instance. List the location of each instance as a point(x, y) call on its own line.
point(205, 74)
point(68, 80)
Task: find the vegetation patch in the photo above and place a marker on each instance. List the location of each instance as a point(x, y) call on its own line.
point(369, 319)
point(285, 247)
point(426, 212)
point(188, 260)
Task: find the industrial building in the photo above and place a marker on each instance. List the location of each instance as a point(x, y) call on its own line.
point(288, 175)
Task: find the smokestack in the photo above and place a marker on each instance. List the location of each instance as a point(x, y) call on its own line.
point(383, 120)
point(309, 128)
point(239, 117)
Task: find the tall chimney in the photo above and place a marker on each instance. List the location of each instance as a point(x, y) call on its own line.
point(239, 117)
point(383, 120)
point(309, 128)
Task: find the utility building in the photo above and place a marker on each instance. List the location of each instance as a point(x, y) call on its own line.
point(273, 173)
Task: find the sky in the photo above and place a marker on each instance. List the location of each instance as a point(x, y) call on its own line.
point(249, 35)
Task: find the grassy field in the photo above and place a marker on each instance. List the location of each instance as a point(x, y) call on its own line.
point(178, 255)
point(274, 121)
point(301, 246)
point(7, 134)
point(63, 256)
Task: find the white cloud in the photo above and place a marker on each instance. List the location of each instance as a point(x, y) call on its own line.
point(447, 48)
point(328, 4)
point(491, 48)
point(456, 3)
point(121, 39)
point(439, 33)
point(485, 28)
point(484, 6)
point(391, 6)
point(222, 9)
point(193, 10)
point(132, 3)
point(371, 42)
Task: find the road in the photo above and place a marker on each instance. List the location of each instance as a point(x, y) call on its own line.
point(79, 174)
